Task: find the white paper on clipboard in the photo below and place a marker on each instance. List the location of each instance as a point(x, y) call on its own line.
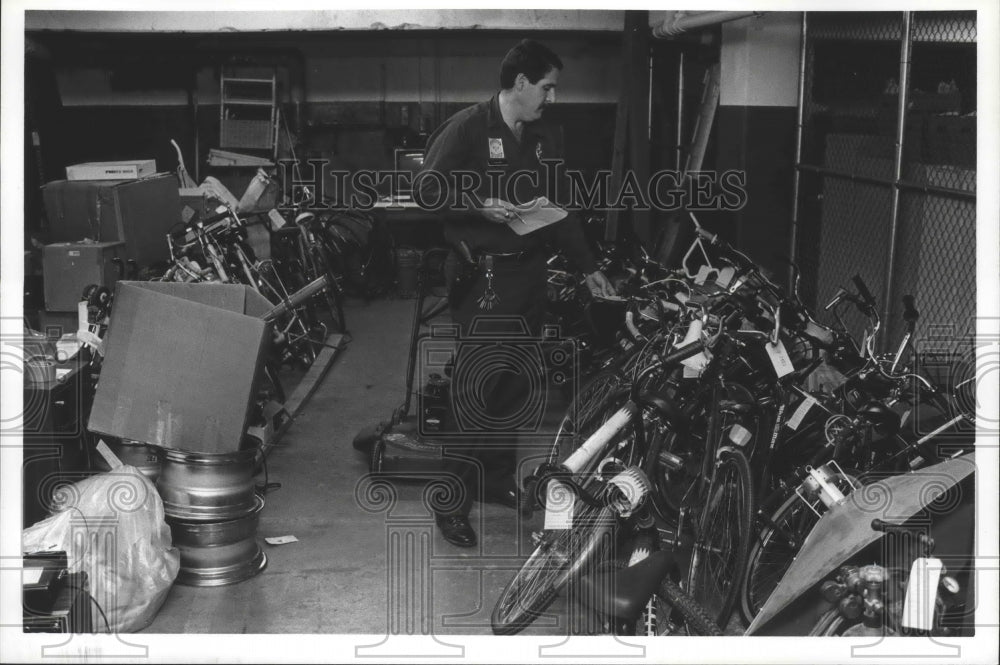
point(531, 216)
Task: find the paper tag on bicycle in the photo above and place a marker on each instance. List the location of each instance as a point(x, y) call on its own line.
point(921, 593)
point(779, 358)
point(277, 221)
point(559, 502)
point(801, 411)
point(725, 276)
point(903, 418)
point(702, 275)
point(739, 435)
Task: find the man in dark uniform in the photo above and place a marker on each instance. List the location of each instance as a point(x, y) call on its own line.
point(484, 161)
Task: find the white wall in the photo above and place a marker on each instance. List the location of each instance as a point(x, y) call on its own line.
point(760, 60)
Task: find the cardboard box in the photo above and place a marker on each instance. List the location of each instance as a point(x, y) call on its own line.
point(68, 267)
point(180, 365)
point(196, 204)
point(131, 169)
point(138, 212)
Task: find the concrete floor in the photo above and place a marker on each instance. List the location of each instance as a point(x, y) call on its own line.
point(369, 558)
point(336, 579)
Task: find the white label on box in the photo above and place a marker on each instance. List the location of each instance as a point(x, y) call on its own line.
point(739, 435)
point(779, 358)
point(921, 593)
point(559, 503)
point(800, 412)
point(691, 372)
point(122, 170)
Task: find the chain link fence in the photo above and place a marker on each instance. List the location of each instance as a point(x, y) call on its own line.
point(853, 193)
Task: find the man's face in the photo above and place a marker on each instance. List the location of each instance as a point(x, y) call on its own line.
point(536, 96)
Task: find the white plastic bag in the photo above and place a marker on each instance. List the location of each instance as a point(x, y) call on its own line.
point(111, 526)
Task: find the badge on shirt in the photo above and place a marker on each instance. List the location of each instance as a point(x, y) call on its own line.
point(496, 148)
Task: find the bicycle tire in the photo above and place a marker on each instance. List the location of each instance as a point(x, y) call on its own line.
point(715, 583)
point(589, 409)
point(673, 486)
point(330, 298)
point(696, 618)
point(771, 554)
point(560, 556)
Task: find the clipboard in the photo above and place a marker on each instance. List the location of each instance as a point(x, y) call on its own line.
point(531, 216)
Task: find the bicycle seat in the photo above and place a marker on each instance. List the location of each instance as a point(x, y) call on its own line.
point(287, 230)
point(623, 593)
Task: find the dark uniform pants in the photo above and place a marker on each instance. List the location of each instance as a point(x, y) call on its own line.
point(493, 386)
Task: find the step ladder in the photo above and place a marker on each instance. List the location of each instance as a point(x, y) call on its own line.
point(248, 112)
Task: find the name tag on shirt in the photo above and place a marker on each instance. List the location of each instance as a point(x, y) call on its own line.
point(496, 149)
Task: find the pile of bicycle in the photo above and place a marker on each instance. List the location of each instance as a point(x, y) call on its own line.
point(297, 259)
point(709, 441)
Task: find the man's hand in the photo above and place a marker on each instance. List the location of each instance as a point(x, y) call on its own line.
point(497, 211)
point(599, 285)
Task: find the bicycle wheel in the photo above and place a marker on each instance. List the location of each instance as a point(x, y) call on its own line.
point(774, 549)
point(719, 557)
point(593, 404)
point(560, 556)
point(317, 261)
point(671, 609)
point(676, 462)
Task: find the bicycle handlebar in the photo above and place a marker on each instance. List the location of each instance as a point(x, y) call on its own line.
point(681, 354)
point(297, 298)
point(706, 235)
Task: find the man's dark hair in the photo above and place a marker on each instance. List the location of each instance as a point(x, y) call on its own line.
point(529, 58)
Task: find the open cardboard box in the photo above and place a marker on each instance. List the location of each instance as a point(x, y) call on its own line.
point(181, 363)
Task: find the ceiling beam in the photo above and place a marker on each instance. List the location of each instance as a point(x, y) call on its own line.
point(275, 21)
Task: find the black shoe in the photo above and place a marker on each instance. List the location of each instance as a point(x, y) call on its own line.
point(507, 494)
point(457, 530)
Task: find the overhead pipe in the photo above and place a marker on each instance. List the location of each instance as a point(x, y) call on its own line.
point(905, 54)
point(681, 21)
point(793, 249)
